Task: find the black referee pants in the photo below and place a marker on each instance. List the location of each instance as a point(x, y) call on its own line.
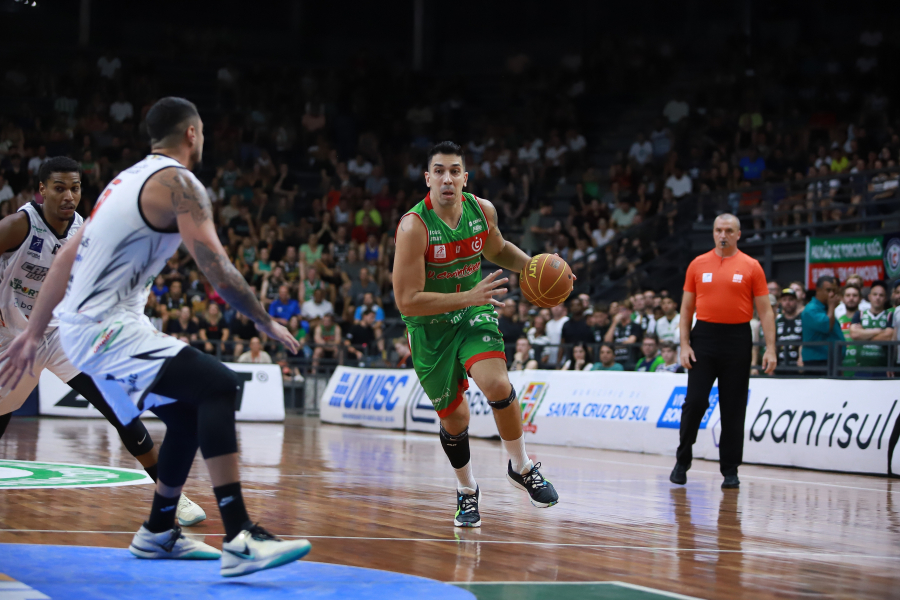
point(723, 351)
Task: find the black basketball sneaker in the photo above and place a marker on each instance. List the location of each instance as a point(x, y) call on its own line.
point(542, 492)
point(467, 514)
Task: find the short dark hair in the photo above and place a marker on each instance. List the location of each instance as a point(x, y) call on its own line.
point(166, 116)
point(367, 312)
point(57, 164)
point(824, 279)
point(666, 345)
point(446, 147)
point(880, 283)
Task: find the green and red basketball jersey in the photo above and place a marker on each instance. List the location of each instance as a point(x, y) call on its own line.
point(453, 255)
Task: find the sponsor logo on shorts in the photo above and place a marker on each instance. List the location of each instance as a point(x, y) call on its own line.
point(37, 244)
point(105, 338)
point(35, 272)
point(17, 285)
point(530, 398)
point(129, 382)
point(671, 414)
point(483, 318)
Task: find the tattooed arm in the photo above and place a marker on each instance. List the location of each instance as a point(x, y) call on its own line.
point(188, 203)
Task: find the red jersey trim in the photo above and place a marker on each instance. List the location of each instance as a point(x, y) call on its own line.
point(484, 356)
point(428, 204)
point(483, 216)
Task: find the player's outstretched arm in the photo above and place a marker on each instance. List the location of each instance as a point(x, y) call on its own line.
point(187, 197)
point(409, 277)
point(498, 250)
point(21, 352)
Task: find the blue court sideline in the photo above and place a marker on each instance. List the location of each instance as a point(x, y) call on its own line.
point(77, 572)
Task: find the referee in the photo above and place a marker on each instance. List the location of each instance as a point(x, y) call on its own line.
point(722, 285)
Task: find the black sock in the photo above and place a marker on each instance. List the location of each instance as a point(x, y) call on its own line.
point(151, 471)
point(231, 506)
point(456, 447)
point(162, 514)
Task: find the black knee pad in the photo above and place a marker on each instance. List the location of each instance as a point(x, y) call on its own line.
point(456, 447)
point(204, 383)
point(501, 404)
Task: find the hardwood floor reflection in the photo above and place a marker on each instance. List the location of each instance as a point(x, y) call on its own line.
point(385, 500)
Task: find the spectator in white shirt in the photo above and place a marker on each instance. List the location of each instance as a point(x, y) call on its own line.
point(359, 167)
point(316, 308)
point(109, 65)
point(603, 234)
point(676, 109)
point(34, 165)
point(667, 326)
point(6, 192)
point(641, 150)
point(680, 184)
point(554, 331)
point(255, 355)
point(121, 109)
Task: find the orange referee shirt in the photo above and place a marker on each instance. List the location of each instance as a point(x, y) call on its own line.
point(725, 286)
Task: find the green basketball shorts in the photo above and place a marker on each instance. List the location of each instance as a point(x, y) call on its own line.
point(443, 353)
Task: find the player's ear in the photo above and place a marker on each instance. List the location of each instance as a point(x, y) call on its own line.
point(427, 178)
point(465, 178)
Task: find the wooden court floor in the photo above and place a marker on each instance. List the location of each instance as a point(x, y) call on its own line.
point(385, 500)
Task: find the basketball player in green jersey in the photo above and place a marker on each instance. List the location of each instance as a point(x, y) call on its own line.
point(452, 325)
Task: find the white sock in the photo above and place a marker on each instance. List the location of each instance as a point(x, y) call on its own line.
point(465, 481)
point(516, 449)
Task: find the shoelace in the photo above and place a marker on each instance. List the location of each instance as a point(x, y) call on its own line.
point(468, 502)
point(173, 539)
point(534, 478)
point(258, 533)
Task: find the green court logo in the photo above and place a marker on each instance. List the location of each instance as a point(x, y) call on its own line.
point(21, 474)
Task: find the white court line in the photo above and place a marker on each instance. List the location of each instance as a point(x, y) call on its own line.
point(808, 554)
point(618, 583)
point(665, 468)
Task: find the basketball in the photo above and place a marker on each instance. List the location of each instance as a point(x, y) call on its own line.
point(546, 280)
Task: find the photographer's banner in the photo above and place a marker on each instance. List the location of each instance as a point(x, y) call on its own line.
point(872, 257)
point(261, 397)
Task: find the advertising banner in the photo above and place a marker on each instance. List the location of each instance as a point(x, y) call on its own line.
point(370, 397)
point(871, 256)
point(843, 425)
point(261, 399)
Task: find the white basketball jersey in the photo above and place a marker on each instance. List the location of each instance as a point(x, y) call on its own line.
point(22, 270)
point(120, 253)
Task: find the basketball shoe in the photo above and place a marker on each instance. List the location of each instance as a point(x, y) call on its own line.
point(467, 514)
point(256, 549)
point(189, 513)
point(542, 492)
point(171, 544)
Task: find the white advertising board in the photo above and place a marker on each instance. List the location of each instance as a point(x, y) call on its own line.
point(262, 396)
point(370, 397)
point(842, 425)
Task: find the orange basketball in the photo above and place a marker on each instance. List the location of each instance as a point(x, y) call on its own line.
point(546, 280)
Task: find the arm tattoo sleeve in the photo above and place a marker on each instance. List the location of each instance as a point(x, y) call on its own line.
point(187, 197)
point(229, 283)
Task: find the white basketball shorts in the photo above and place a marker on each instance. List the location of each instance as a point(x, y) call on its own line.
point(49, 356)
point(124, 355)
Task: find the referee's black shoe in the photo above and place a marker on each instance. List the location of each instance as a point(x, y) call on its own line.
point(679, 474)
point(731, 482)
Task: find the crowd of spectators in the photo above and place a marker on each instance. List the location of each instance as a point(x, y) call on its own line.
point(783, 136)
point(309, 172)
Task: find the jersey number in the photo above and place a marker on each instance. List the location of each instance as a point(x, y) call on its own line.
point(457, 288)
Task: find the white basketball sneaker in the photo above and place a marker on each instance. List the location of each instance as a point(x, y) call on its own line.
point(171, 544)
point(256, 549)
point(189, 513)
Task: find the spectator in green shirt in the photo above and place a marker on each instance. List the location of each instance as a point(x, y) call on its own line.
point(607, 360)
point(368, 210)
point(651, 358)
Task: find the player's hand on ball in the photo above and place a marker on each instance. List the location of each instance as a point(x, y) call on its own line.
point(484, 292)
point(279, 333)
point(19, 357)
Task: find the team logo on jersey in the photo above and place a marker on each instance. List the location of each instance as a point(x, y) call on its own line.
point(440, 251)
point(37, 244)
point(35, 272)
point(56, 248)
point(477, 244)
